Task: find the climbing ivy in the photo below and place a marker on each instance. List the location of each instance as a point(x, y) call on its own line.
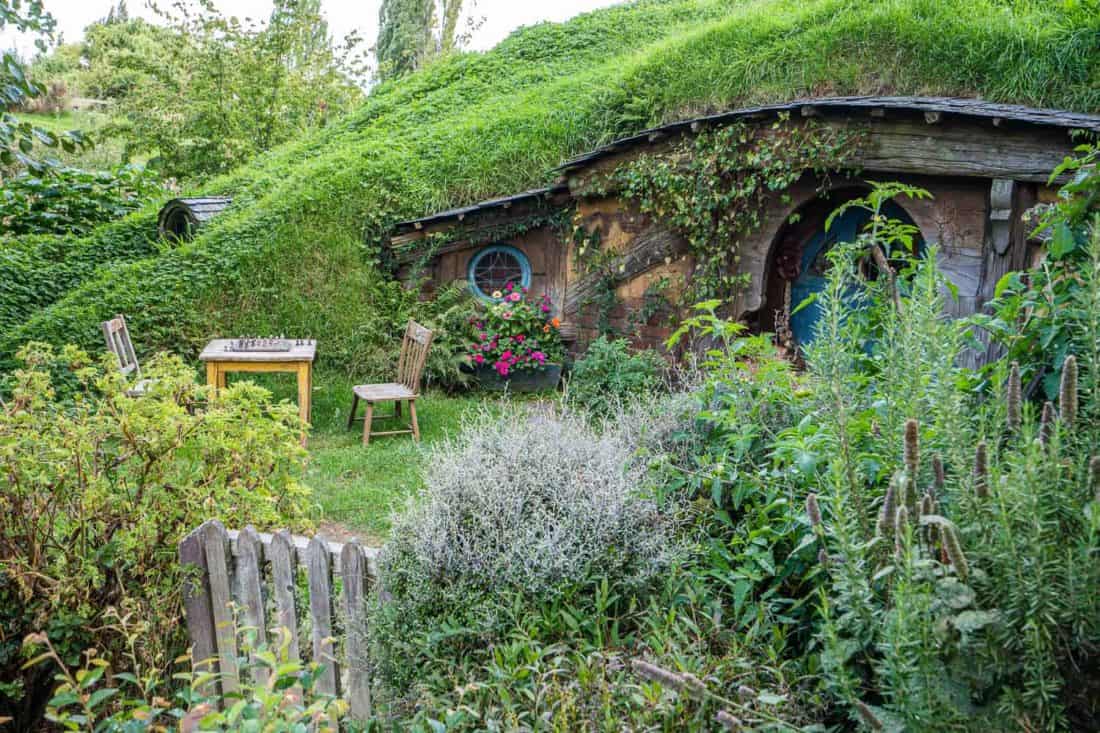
point(712, 188)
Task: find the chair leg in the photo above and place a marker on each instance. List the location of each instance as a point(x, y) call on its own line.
point(366, 423)
point(412, 416)
point(354, 407)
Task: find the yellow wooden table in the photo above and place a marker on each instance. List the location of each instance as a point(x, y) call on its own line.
point(221, 360)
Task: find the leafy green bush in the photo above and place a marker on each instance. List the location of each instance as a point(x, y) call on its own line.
point(100, 487)
point(1042, 315)
point(609, 375)
point(36, 271)
point(72, 201)
point(92, 697)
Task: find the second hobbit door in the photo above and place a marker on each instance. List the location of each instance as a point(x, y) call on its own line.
point(814, 264)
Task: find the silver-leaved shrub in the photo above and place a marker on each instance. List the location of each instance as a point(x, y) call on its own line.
point(522, 508)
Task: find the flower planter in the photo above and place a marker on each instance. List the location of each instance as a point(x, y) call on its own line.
point(522, 380)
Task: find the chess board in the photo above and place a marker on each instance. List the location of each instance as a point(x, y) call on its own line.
point(262, 344)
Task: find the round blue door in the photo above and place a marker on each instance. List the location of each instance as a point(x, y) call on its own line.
point(814, 264)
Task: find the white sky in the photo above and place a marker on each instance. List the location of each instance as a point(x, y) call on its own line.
point(344, 16)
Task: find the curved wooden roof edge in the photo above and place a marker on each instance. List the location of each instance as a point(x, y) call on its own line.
point(928, 106)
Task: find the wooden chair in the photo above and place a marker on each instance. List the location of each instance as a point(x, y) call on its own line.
point(414, 352)
point(118, 343)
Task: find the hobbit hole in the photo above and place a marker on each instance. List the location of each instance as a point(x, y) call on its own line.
point(798, 263)
point(179, 219)
point(613, 257)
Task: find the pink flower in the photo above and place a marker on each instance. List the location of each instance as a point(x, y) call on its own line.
point(479, 359)
point(506, 315)
point(545, 308)
point(519, 337)
point(539, 356)
point(502, 368)
point(508, 288)
point(506, 355)
point(482, 335)
point(514, 297)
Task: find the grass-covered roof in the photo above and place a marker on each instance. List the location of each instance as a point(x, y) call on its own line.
point(293, 254)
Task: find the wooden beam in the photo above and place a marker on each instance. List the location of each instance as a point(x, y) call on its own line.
point(406, 238)
point(650, 248)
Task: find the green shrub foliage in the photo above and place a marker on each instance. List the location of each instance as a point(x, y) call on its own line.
point(610, 375)
point(100, 487)
point(94, 696)
point(72, 201)
point(476, 125)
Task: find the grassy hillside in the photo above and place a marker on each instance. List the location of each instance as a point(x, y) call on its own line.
point(295, 254)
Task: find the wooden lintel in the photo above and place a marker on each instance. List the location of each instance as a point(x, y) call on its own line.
point(406, 238)
point(933, 117)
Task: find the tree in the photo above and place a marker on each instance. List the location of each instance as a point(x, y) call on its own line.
point(246, 87)
point(404, 36)
point(410, 32)
point(18, 139)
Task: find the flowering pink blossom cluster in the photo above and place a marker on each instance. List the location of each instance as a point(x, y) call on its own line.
point(514, 332)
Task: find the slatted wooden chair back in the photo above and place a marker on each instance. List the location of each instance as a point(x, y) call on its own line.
point(118, 343)
point(414, 354)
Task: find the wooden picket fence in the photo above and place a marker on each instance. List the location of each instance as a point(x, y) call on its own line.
point(256, 574)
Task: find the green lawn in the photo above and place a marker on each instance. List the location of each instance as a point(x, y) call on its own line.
point(358, 488)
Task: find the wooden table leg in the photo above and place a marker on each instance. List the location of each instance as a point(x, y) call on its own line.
point(304, 394)
point(212, 374)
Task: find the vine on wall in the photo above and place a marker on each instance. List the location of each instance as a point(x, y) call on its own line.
point(713, 187)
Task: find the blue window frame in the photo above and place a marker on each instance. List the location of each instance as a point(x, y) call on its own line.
point(493, 267)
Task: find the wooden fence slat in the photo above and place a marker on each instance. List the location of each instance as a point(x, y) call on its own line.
point(250, 581)
point(230, 566)
point(319, 566)
point(197, 610)
point(216, 541)
point(284, 577)
point(354, 565)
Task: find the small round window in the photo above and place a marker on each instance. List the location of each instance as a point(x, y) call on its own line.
point(493, 267)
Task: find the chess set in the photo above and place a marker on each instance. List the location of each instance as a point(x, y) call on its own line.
point(265, 343)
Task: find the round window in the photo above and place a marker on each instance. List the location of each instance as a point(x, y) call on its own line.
point(493, 267)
